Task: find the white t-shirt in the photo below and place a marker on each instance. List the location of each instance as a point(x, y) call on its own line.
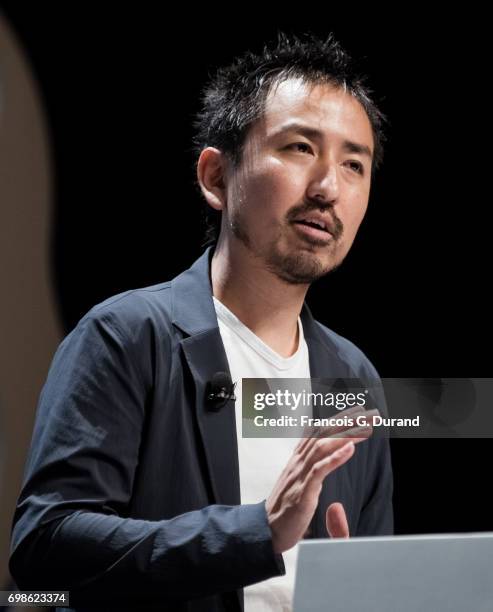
point(261, 460)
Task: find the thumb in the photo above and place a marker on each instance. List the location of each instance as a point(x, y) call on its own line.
point(336, 521)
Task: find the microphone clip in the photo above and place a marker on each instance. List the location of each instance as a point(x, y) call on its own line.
point(219, 390)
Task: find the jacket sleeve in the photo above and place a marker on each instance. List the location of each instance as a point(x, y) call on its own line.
point(70, 529)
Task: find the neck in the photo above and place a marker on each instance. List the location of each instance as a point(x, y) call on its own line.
point(262, 301)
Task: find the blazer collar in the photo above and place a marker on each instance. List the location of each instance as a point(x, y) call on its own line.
point(193, 311)
point(192, 308)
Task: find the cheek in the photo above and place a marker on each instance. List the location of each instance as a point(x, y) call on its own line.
point(272, 189)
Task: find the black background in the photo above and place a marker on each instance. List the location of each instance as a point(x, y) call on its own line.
point(120, 87)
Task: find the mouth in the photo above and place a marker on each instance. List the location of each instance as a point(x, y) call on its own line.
point(314, 230)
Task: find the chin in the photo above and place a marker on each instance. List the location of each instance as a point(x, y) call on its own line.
point(302, 267)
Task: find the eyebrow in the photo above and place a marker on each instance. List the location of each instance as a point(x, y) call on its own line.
point(309, 132)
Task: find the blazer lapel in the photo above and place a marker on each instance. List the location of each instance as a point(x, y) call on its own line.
point(324, 363)
point(205, 356)
point(194, 314)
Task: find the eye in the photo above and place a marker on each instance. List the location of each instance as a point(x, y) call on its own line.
point(304, 145)
point(357, 166)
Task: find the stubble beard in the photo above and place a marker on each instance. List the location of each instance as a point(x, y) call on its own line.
point(300, 267)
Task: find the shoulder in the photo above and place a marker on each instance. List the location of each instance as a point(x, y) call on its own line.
point(136, 303)
point(346, 350)
point(135, 315)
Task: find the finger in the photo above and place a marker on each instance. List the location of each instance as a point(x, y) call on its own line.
point(362, 427)
point(319, 449)
point(323, 447)
point(363, 432)
point(339, 431)
point(356, 418)
point(307, 447)
point(322, 468)
point(350, 414)
point(298, 469)
point(312, 477)
point(336, 521)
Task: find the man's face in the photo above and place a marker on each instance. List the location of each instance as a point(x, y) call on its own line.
point(292, 177)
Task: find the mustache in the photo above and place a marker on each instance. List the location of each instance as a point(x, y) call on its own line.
point(337, 227)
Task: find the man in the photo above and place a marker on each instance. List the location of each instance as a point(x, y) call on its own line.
point(136, 488)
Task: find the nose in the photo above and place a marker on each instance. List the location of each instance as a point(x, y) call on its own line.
point(324, 183)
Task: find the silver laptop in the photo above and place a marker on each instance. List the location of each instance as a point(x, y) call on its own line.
point(426, 573)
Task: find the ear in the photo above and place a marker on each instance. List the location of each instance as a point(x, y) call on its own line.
point(211, 173)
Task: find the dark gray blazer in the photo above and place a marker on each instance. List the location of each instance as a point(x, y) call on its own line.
point(131, 489)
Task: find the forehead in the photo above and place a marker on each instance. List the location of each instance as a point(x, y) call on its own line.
point(329, 109)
